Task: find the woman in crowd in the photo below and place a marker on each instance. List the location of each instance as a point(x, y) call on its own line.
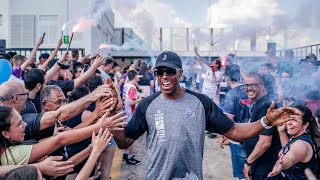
point(301, 150)
point(146, 82)
point(14, 152)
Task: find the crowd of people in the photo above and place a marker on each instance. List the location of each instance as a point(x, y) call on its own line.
point(63, 118)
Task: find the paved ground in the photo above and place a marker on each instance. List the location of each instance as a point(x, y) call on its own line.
point(216, 164)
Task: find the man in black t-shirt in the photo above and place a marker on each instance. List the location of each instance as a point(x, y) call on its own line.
point(261, 150)
point(34, 81)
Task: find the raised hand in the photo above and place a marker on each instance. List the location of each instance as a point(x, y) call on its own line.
point(281, 128)
point(103, 106)
point(40, 41)
point(54, 166)
point(114, 122)
point(100, 60)
point(100, 141)
point(114, 94)
point(279, 116)
point(101, 91)
point(195, 49)
point(63, 58)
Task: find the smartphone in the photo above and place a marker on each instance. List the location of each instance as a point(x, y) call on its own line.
point(43, 35)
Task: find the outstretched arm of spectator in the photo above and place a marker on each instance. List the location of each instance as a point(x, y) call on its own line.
point(299, 152)
point(88, 118)
point(32, 55)
point(64, 138)
point(203, 65)
point(52, 166)
point(99, 144)
point(70, 110)
point(55, 68)
point(82, 155)
point(90, 72)
point(52, 55)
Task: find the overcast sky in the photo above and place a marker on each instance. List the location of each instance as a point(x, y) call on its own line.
point(260, 17)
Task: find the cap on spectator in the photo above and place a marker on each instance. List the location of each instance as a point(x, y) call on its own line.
point(44, 56)
point(169, 59)
point(53, 61)
point(11, 54)
point(5, 56)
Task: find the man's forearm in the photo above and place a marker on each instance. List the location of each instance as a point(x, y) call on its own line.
point(260, 148)
point(74, 108)
point(91, 120)
point(283, 138)
point(83, 78)
point(87, 168)
point(122, 141)
point(45, 64)
point(30, 58)
point(79, 157)
point(243, 131)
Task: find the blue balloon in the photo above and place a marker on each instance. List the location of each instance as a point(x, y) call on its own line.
point(5, 70)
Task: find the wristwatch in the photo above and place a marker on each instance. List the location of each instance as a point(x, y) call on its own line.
point(247, 163)
point(59, 64)
point(264, 124)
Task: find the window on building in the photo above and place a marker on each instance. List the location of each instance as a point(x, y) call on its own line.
point(22, 31)
point(49, 24)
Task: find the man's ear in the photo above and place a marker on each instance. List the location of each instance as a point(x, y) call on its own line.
point(43, 105)
point(180, 73)
point(15, 99)
point(38, 86)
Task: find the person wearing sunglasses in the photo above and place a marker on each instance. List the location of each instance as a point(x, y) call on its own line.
point(176, 119)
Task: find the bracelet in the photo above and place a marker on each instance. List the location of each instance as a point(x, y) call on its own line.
point(264, 124)
point(247, 163)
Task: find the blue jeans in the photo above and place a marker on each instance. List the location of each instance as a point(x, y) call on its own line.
point(238, 156)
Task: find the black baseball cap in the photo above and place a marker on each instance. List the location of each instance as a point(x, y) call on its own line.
point(11, 54)
point(53, 61)
point(169, 59)
point(44, 56)
point(5, 56)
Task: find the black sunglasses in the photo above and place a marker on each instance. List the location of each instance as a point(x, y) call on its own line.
point(169, 72)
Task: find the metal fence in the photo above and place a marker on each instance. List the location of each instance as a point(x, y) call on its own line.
point(302, 52)
point(27, 51)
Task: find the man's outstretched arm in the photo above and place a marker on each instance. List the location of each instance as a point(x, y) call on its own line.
point(242, 131)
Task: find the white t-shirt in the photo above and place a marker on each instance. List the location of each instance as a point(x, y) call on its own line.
point(210, 88)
